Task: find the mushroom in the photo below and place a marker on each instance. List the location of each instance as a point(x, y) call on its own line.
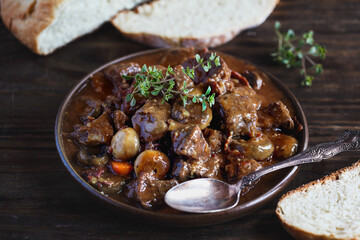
point(192, 114)
point(152, 161)
point(87, 159)
point(259, 148)
point(125, 144)
point(285, 145)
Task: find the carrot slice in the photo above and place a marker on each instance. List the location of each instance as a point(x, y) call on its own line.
point(122, 168)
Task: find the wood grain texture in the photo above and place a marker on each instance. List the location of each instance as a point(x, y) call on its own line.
point(38, 198)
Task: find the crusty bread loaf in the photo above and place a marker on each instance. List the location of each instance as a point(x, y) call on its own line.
point(328, 208)
point(198, 23)
point(44, 25)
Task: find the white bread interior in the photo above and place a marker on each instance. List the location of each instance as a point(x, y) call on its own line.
point(45, 25)
point(328, 208)
point(199, 23)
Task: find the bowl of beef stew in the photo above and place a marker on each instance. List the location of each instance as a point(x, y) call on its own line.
point(139, 125)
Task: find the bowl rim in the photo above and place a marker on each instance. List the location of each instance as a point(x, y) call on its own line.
point(178, 219)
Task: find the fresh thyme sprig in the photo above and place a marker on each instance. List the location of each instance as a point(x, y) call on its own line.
point(294, 51)
point(152, 82)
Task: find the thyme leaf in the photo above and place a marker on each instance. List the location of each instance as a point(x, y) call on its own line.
point(152, 82)
point(297, 51)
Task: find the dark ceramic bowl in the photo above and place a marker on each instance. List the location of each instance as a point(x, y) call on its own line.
point(262, 193)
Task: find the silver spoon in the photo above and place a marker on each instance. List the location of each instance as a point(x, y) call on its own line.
point(206, 195)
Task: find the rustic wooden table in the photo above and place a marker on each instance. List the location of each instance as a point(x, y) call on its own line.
point(38, 198)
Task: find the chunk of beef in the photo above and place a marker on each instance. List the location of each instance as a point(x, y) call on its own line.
point(238, 114)
point(115, 72)
point(162, 68)
point(276, 115)
point(190, 142)
point(209, 167)
point(119, 119)
point(150, 121)
point(103, 180)
point(126, 106)
point(220, 87)
point(140, 99)
point(112, 103)
point(192, 114)
point(181, 78)
point(96, 132)
point(149, 191)
point(93, 109)
point(215, 139)
point(218, 78)
point(184, 170)
point(237, 168)
point(248, 92)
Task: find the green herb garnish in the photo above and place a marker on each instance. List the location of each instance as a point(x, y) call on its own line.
point(152, 82)
point(294, 51)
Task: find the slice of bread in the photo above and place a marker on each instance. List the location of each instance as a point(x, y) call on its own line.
point(328, 208)
point(44, 25)
point(191, 23)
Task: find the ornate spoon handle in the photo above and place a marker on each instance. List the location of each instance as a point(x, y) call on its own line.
point(348, 141)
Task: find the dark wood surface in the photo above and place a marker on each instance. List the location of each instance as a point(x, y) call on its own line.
point(38, 198)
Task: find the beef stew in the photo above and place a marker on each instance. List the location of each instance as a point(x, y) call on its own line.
point(152, 146)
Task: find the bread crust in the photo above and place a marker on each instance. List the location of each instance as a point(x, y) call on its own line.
point(164, 41)
point(26, 19)
point(299, 233)
point(302, 235)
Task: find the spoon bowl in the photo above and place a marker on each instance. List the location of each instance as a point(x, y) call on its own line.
point(193, 195)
